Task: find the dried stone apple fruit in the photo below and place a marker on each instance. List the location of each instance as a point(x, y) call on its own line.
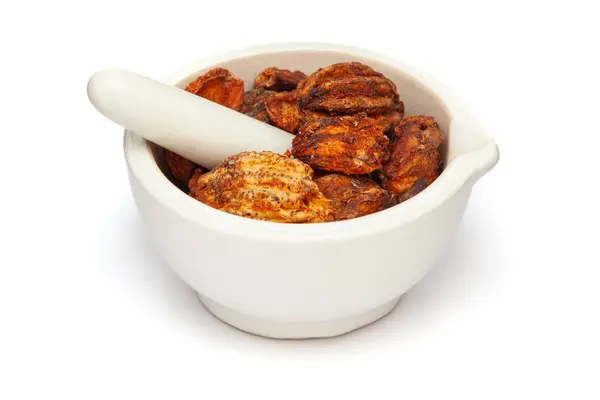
point(265, 186)
point(253, 104)
point(336, 72)
point(348, 88)
point(351, 196)
point(278, 80)
point(349, 144)
point(220, 86)
point(282, 108)
point(415, 160)
point(372, 95)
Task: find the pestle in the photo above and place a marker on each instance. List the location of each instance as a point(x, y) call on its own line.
point(187, 124)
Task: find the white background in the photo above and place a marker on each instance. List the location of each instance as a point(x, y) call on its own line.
point(88, 310)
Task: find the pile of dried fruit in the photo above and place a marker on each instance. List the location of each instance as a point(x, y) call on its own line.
point(354, 152)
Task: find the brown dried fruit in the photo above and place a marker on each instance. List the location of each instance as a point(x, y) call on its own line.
point(335, 72)
point(265, 186)
point(351, 196)
point(373, 95)
point(414, 156)
point(349, 88)
point(181, 168)
point(278, 79)
point(220, 86)
point(349, 144)
point(253, 104)
point(283, 110)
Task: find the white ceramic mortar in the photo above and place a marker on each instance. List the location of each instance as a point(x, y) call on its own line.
point(312, 280)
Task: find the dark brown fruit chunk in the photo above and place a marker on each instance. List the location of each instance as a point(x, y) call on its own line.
point(278, 80)
point(253, 104)
point(283, 111)
point(415, 160)
point(373, 95)
point(349, 144)
point(351, 196)
point(336, 72)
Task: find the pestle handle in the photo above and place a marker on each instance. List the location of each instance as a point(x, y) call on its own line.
point(189, 125)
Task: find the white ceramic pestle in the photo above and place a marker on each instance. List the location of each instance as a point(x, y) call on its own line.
point(189, 125)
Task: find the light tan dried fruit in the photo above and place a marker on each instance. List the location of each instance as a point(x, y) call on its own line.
point(351, 196)
point(278, 80)
point(181, 168)
point(414, 156)
point(282, 108)
point(265, 186)
point(220, 86)
point(349, 144)
point(253, 104)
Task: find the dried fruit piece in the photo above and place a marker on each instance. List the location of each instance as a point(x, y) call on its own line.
point(414, 156)
point(278, 79)
point(351, 196)
point(253, 104)
point(335, 72)
point(348, 88)
point(181, 168)
point(283, 110)
point(349, 144)
point(265, 186)
point(373, 95)
point(220, 86)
